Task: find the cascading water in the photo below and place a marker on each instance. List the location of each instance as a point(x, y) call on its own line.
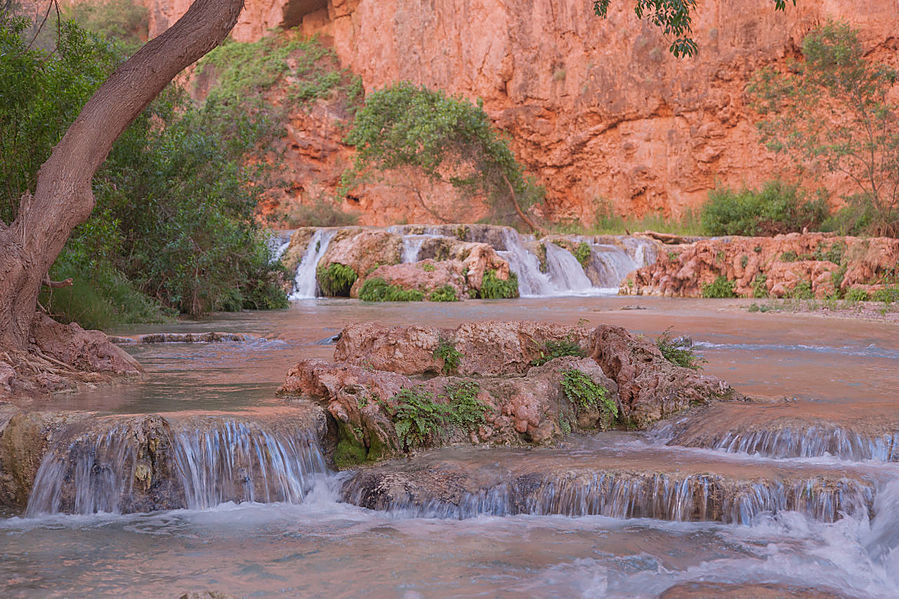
point(239, 462)
point(561, 275)
point(531, 281)
point(565, 272)
point(305, 284)
point(149, 464)
point(412, 246)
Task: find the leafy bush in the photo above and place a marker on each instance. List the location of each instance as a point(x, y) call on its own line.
point(585, 393)
point(721, 287)
point(445, 139)
point(679, 350)
point(834, 112)
point(320, 213)
point(377, 289)
point(557, 349)
point(493, 287)
point(174, 208)
point(777, 208)
point(464, 409)
point(803, 290)
point(428, 267)
point(856, 295)
point(418, 418)
point(760, 286)
point(447, 293)
point(447, 352)
point(335, 279)
point(887, 295)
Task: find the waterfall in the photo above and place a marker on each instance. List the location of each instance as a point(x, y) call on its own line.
point(696, 497)
point(565, 272)
point(149, 464)
point(531, 282)
point(305, 284)
point(242, 462)
point(790, 441)
point(412, 246)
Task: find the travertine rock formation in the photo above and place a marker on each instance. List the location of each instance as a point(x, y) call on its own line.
point(778, 266)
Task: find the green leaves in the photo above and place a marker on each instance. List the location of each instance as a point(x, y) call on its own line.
point(447, 139)
point(832, 112)
point(679, 350)
point(584, 392)
point(450, 356)
point(419, 419)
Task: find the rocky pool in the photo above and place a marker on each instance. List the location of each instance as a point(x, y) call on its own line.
point(797, 493)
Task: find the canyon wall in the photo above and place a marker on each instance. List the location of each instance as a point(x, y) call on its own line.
point(597, 109)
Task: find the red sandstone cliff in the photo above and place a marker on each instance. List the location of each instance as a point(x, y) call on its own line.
point(596, 108)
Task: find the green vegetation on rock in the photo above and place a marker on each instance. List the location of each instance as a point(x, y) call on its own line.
point(679, 350)
point(492, 287)
point(581, 390)
point(446, 293)
point(336, 280)
point(377, 289)
point(582, 253)
point(450, 356)
point(553, 349)
point(833, 112)
point(408, 127)
point(421, 420)
point(720, 288)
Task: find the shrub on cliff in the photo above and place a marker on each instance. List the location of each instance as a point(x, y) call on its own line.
point(445, 139)
point(833, 112)
point(377, 289)
point(777, 208)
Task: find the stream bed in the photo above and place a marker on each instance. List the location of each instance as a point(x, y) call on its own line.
point(818, 373)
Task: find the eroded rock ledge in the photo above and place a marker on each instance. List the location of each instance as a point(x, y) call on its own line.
point(394, 389)
point(811, 264)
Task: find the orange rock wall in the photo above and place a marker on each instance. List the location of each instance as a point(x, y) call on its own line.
point(597, 109)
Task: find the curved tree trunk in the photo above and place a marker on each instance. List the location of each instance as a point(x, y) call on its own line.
point(63, 197)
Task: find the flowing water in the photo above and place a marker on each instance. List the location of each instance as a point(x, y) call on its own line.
point(802, 490)
point(611, 260)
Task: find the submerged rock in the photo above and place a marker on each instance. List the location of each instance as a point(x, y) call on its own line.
point(715, 590)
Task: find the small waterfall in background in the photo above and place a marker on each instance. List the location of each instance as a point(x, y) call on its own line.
point(150, 465)
point(305, 284)
point(565, 272)
point(531, 281)
point(412, 246)
point(278, 244)
point(607, 266)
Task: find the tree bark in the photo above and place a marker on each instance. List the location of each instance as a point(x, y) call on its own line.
point(63, 198)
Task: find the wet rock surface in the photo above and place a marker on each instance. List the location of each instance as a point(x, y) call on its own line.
point(789, 429)
point(75, 462)
point(488, 348)
point(768, 266)
point(715, 590)
point(593, 477)
point(650, 387)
